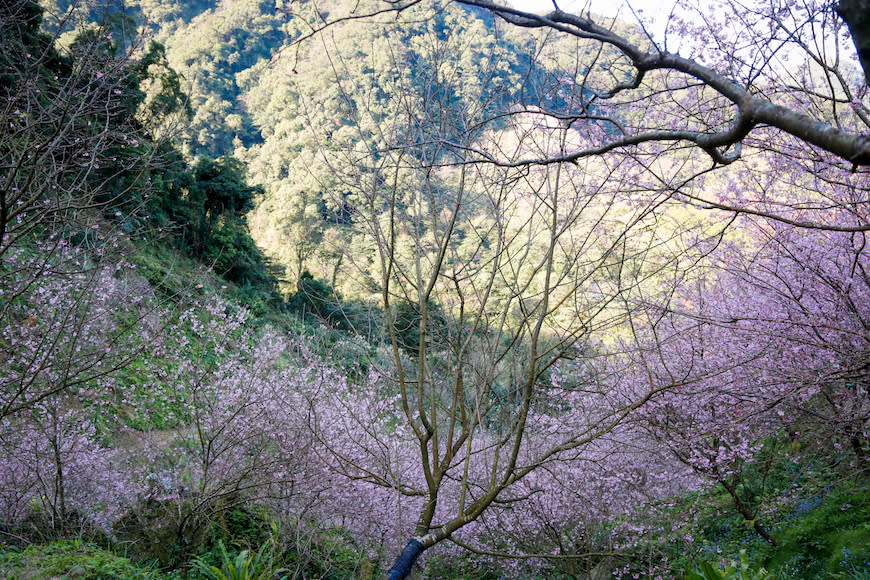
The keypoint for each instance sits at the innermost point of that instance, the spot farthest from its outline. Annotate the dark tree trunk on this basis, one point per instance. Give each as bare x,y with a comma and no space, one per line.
402,567
746,513
856,13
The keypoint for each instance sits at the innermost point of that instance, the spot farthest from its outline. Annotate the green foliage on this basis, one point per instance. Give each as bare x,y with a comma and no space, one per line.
216,232
221,185
820,521
407,319
317,302
167,270
740,570
466,567
240,526
151,532
201,211
161,13
224,39
26,36
170,532
329,554
164,96
826,534
246,565
139,180
72,559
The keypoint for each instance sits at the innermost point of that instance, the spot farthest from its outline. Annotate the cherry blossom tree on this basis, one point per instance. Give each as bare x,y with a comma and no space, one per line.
780,321
554,295
489,275
74,313
235,402
75,164
58,475
854,12
741,61
71,327
69,130
772,98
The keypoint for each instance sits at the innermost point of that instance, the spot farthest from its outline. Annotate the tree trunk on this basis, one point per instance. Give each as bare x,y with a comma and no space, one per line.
749,516
402,567
856,13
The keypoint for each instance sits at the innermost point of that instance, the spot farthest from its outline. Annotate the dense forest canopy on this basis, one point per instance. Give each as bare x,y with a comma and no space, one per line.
546,295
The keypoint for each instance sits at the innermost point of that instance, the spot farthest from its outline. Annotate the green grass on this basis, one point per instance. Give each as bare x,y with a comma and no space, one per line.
73,559
831,539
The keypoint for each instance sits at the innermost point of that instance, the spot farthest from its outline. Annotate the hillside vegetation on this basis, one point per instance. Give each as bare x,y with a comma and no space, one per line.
283,301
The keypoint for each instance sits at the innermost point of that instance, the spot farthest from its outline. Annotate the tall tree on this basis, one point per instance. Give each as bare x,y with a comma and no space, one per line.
496,273
537,281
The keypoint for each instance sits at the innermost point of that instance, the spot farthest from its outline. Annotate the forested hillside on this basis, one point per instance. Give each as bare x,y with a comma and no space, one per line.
435,290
